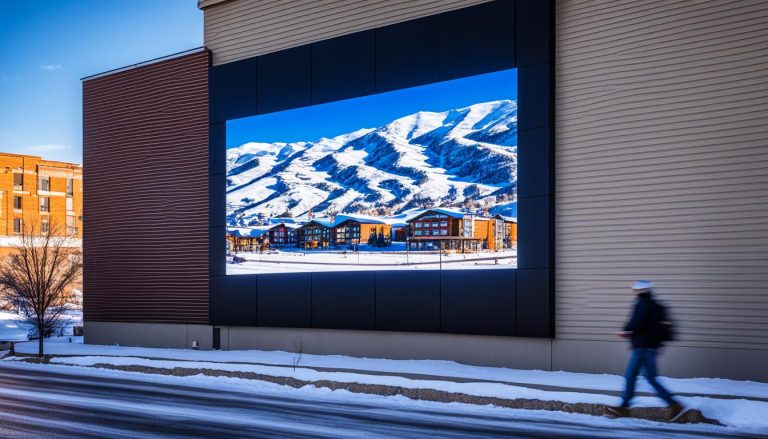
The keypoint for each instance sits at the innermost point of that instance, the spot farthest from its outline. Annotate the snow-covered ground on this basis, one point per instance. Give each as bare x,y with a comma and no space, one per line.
12,328
737,404
288,261
263,406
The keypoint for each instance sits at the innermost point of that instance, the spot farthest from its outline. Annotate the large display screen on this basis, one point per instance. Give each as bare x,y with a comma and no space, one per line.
419,178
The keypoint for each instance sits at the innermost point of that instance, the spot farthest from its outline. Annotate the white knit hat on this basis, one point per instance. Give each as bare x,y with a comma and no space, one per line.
642,285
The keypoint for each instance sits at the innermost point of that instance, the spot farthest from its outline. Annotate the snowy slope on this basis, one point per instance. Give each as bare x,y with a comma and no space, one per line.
425,159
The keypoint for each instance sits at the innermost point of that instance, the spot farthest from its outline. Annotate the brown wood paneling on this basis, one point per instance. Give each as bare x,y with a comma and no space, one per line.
145,151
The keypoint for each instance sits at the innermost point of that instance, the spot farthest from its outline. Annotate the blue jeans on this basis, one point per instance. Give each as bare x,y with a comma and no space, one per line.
643,359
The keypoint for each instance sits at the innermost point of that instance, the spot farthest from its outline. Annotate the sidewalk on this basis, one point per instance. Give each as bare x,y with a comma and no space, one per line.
739,404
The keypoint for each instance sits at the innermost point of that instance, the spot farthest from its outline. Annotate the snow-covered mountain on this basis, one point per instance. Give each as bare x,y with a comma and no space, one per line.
453,158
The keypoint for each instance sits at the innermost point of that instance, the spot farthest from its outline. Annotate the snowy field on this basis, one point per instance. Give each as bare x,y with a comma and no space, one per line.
741,405
291,261
12,328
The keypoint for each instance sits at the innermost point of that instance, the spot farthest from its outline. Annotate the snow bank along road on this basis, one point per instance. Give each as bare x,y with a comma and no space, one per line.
65,401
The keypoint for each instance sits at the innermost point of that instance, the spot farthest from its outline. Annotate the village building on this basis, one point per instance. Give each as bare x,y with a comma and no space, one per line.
509,232
283,234
448,229
317,233
357,229
247,239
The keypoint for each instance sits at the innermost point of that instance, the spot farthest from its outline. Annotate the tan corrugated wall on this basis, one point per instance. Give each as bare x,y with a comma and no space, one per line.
662,166
239,29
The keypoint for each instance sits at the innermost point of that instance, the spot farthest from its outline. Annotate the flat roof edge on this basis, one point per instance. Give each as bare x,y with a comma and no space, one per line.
144,63
202,4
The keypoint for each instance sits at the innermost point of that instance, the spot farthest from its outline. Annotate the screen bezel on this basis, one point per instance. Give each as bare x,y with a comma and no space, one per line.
509,302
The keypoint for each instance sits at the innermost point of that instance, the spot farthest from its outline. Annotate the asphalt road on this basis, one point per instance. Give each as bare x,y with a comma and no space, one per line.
37,403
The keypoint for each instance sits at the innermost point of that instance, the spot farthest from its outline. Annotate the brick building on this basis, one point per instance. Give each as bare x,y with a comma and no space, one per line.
39,195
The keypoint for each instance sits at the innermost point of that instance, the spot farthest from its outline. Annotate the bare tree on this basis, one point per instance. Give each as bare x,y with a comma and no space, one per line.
38,275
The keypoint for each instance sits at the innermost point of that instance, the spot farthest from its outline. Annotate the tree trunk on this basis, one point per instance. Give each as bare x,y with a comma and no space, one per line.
40,341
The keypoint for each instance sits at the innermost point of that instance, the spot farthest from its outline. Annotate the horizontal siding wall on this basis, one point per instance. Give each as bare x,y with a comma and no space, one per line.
662,166
145,150
239,29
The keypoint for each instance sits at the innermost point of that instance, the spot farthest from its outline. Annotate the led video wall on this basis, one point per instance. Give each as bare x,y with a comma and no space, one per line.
418,178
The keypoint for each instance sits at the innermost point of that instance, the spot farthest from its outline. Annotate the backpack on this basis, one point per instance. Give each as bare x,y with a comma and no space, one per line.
665,327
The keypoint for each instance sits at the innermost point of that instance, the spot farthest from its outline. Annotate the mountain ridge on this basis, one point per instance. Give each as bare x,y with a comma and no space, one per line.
465,157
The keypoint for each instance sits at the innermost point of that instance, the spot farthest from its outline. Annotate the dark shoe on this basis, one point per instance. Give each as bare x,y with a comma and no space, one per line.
675,411
617,412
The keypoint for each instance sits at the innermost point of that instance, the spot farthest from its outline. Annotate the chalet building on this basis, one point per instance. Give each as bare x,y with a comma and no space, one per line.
247,240
453,230
283,234
39,195
357,229
399,232
317,233
509,232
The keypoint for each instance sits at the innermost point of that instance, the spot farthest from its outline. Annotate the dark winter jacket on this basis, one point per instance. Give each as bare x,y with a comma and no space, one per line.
645,323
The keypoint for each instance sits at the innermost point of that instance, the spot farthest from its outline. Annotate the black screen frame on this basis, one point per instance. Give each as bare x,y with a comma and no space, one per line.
489,37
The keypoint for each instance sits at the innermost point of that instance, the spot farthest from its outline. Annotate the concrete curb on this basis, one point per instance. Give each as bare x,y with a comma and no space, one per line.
658,414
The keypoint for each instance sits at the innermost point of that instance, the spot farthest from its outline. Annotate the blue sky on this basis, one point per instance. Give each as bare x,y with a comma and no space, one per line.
332,119
46,46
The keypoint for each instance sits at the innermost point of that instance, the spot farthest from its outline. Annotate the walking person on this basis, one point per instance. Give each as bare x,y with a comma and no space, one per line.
648,328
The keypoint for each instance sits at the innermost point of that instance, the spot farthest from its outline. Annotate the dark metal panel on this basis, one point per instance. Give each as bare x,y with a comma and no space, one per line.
485,44
217,193
479,302
285,300
217,163
233,90
535,245
343,300
535,97
233,300
344,67
535,26
408,301
407,54
285,80
535,163
145,151
535,308
218,251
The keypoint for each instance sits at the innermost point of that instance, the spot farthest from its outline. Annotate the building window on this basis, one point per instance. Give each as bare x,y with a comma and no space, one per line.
18,182
45,226
45,204
70,187
45,184
17,202
70,205
71,229
17,226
